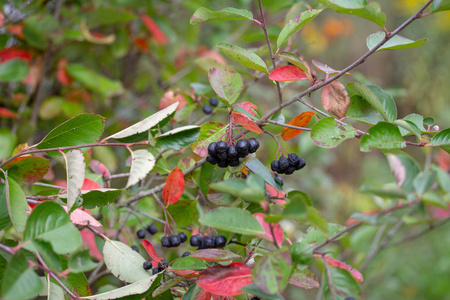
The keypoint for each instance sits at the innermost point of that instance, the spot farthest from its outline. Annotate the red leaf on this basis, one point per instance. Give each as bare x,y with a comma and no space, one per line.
444,160
287,73
214,255
2,19
301,120
12,53
225,281
341,265
174,186
88,238
186,273
276,228
273,192
16,30
62,75
150,250
245,122
90,185
248,106
141,44
335,99
28,170
159,36
6,113
99,168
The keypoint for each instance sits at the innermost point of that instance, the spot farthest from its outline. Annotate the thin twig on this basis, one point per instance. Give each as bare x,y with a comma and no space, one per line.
289,126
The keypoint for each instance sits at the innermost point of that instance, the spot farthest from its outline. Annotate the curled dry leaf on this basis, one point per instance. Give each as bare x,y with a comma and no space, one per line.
287,73
174,186
301,120
335,99
95,38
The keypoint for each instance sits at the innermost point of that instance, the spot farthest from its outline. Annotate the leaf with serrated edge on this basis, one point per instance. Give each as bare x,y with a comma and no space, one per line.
136,288
142,162
328,133
145,124
295,24
244,57
75,170
382,136
395,43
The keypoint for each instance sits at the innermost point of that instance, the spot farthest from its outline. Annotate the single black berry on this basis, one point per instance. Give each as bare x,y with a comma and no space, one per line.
212,160
155,271
222,163
182,236
174,241
195,240
301,163
256,298
242,146
135,248
233,162
208,242
232,152
147,265
212,149
207,109
279,180
152,229
222,156
140,233
219,241
221,147
186,254
274,166
283,164
165,242
289,170
293,159
253,145
163,264
213,101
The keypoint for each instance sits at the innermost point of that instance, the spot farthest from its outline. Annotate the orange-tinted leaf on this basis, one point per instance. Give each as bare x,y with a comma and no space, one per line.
99,168
174,186
88,238
159,36
90,185
246,122
12,53
16,30
335,99
287,73
341,265
141,44
6,113
150,250
169,98
276,228
62,75
301,120
225,281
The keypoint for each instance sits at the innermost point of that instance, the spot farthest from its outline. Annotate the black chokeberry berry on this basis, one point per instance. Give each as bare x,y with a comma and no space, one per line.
301,164
208,242
195,240
182,236
232,152
140,233
155,271
221,147
256,298
219,241
253,145
174,241
234,162
147,265
165,242
213,101
283,164
289,170
207,109
293,159
186,254
163,264
152,229
212,149
135,248
242,146
274,166
222,156
212,160
279,180
222,163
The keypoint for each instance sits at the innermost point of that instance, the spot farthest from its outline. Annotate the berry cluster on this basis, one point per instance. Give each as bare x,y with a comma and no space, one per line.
162,265
223,155
173,240
150,228
206,242
207,109
288,165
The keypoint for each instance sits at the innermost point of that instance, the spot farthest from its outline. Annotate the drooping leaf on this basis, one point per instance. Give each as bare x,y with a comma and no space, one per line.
81,262
174,186
27,170
257,167
332,262
382,136
13,70
142,162
232,219
146,124
371,11
80,130
296,61
75,172
227,84
304,279
326,69
225,281
301,120
50,223
440,5
227,14
287,73
251,189
335,99
178,138
271,273
215,255
395,43
327,133
273,231
137,290
17,204
124,262
209,132
246,122
150,250
442,139
244,57
295,24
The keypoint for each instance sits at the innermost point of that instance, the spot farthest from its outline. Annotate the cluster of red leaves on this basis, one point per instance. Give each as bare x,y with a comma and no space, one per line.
244,120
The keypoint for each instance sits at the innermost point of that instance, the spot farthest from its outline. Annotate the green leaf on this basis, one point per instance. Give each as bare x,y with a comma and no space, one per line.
49,222
251,189
254,290
227,84
77,283
342,281
384,191
75,172
80,130
442,139
8,141
107,16
293,59
442,177
146,124
208,174
95,81
227,14
232,219
297,206
5,221
142,162
271,273
184,211
81,262
124,262
315,218
166,286
301,253
427,121
244,57
20,281
257,167
423,181
395,43
215,255
135,289
209,132
382,136
440,5
327,133
362,111
371,11
27,170
17,204
51,289
178,138
55,262
295,24
189,263
39,28
314,236
99,197
13,70
304,279
407,128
